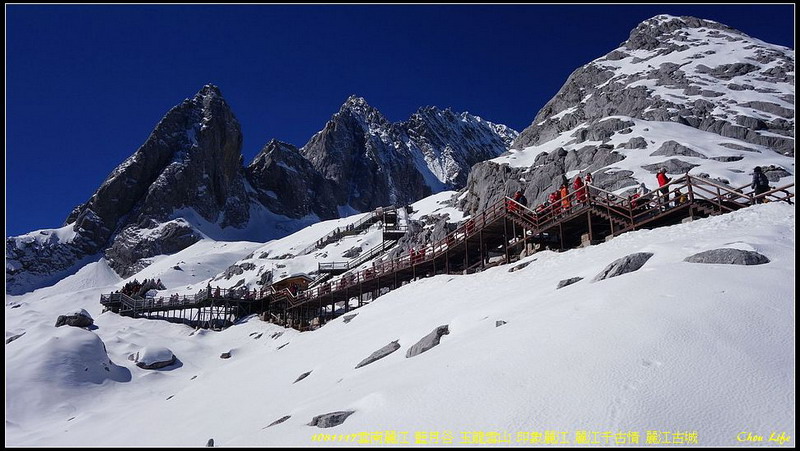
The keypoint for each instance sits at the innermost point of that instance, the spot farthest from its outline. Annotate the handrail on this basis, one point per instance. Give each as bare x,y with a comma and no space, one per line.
628,210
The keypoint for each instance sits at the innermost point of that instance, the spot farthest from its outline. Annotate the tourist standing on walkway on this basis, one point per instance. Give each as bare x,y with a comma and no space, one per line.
760,183
662,182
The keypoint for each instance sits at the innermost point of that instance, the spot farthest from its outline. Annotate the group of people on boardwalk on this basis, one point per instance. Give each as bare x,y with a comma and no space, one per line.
560,201
241,292
138,289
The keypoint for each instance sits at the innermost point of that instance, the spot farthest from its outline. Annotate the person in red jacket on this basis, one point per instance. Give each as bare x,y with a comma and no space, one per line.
580,190
555,201
662,182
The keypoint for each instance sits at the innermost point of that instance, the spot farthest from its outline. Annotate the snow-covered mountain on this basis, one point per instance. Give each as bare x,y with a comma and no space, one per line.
375,162
541,349
683,93
187,181
191,161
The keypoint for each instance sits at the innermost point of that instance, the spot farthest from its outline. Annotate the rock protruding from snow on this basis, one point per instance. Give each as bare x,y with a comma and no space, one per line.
329,420
279,420
79,318
429,341
673,148
728,256
301,377
14,337
348,318
624,265
154,357
380,353
570,281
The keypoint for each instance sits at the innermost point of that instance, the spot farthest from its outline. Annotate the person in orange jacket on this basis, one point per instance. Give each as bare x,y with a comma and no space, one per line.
565,202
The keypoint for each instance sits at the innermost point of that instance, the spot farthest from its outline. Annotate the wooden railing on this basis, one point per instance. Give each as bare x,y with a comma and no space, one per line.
626,211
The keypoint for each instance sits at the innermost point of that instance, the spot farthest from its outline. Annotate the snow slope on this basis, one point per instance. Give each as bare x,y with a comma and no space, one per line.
694,350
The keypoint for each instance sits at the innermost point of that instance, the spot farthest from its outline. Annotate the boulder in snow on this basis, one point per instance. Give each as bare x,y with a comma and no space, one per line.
428,341
728,257
380,353
79,318
570,281
301,377
329,420
278,421
624,265
154,357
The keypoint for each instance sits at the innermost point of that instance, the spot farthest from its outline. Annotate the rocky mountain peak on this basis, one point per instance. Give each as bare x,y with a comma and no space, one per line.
210,90
674,78
357,107
655,31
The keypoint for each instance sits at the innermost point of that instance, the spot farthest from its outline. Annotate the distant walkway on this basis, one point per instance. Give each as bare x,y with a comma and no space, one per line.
500,234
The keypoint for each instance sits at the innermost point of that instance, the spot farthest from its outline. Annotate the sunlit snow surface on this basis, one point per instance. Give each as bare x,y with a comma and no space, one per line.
675,346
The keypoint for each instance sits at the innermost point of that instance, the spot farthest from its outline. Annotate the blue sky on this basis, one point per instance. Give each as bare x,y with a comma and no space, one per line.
86,84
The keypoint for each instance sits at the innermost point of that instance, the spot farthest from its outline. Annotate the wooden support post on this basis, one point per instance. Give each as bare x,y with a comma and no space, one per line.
480,248
466,254
561,236
589,220
505,239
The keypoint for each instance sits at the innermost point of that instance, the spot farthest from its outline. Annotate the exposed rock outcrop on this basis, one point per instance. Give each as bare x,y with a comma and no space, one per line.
728,256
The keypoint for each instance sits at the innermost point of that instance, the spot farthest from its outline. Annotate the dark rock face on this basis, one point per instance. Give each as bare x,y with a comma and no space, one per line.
489,182
130,249
330,420
287,183
373,162
365,167
728,257
192,159
427,342
380,353
429,229
623,265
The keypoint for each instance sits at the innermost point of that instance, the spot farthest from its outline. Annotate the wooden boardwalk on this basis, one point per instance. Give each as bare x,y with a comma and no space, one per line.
500,233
